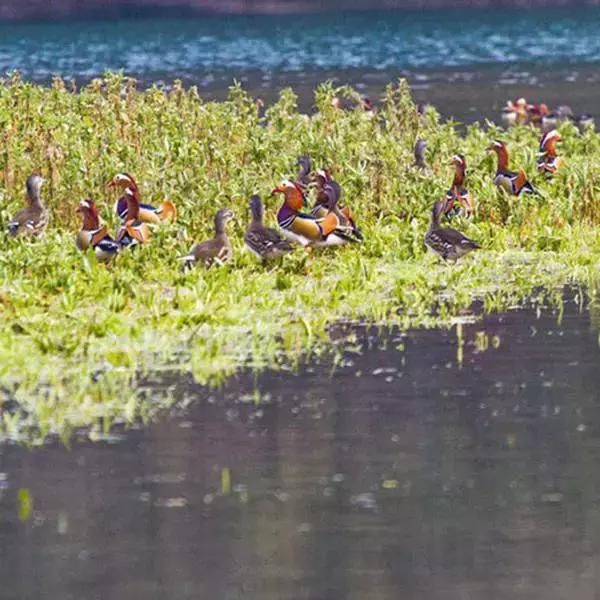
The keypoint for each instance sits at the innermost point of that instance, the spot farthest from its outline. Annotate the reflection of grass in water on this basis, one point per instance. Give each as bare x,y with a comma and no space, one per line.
76,337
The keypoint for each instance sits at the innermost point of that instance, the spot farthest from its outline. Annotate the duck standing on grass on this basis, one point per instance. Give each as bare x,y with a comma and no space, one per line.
458,199
148,213
420,149
264,242
445,242
548,162
514,183
305,229
303,179
133,231
95,234
214,251
33,219
326,187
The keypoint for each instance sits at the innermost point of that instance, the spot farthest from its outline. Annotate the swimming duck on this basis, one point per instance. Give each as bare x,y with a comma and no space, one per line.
133,231
558,115
95,234
458,199
33,219
326,188
306,229
445,242
511,182
264,242
216,250
420,149
515,113
548,162
537,112
148,213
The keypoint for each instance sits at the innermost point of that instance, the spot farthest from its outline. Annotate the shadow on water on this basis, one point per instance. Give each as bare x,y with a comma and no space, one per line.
436,464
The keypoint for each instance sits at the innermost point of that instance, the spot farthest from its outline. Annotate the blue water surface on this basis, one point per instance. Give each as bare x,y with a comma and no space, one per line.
278,44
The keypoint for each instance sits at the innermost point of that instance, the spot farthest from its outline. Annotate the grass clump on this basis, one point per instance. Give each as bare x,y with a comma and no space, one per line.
77,338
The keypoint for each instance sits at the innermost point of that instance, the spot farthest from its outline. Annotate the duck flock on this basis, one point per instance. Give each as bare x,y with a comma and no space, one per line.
326,223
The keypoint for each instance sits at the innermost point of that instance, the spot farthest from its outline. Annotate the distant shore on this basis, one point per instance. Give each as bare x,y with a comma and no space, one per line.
33,10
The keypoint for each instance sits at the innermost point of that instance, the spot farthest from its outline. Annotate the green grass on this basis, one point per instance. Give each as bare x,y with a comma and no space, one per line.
77,338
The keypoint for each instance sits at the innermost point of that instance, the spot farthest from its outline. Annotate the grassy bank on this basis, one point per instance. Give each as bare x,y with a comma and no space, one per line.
76,338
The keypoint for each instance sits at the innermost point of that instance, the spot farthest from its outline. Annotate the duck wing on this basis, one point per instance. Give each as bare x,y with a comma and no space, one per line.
266,242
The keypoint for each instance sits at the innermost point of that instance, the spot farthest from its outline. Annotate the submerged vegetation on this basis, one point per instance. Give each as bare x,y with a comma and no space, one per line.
80,341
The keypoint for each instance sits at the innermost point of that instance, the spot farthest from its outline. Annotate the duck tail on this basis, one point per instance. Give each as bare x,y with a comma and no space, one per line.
167,210
187,262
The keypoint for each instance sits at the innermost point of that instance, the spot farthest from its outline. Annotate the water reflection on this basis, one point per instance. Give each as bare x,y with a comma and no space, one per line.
410,472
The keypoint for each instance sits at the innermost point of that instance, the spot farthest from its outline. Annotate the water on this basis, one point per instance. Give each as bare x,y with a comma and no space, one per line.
459,59
428,476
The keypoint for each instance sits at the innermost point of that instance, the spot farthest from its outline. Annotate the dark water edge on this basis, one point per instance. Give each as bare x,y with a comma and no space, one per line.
468,95
434,464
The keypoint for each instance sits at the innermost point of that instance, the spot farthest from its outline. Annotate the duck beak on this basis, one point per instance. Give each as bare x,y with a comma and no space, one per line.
276,190
111,184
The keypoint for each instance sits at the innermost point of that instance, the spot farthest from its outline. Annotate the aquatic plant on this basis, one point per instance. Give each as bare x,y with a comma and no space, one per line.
83,343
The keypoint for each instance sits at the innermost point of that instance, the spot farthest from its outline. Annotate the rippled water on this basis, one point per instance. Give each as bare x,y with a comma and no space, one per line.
433,465
365,41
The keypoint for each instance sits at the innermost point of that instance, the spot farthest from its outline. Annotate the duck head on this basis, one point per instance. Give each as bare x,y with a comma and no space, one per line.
305,166
123,181
34,186
501,152
256,208
294,196
89,212
420,148
460,165
436,212
548,143
223,216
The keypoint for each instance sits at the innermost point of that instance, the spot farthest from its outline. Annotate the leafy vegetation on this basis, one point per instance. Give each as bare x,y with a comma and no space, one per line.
80,343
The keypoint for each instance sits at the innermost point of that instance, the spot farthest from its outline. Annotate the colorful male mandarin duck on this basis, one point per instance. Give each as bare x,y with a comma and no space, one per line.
537,112
216,250
264,242
515,113
306,229
548,162
148,213
94,234
33,219
445,242
511,182
326,187
133,231
458,199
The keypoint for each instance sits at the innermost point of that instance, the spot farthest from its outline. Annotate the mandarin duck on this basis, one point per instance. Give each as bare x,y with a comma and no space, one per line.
94,234
445,242
514,183
148,213
420,149
515,113
558,115
264,242
537,112
216,250
306,229
133,230
304,179
33,219
326,187
458,199
548,162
